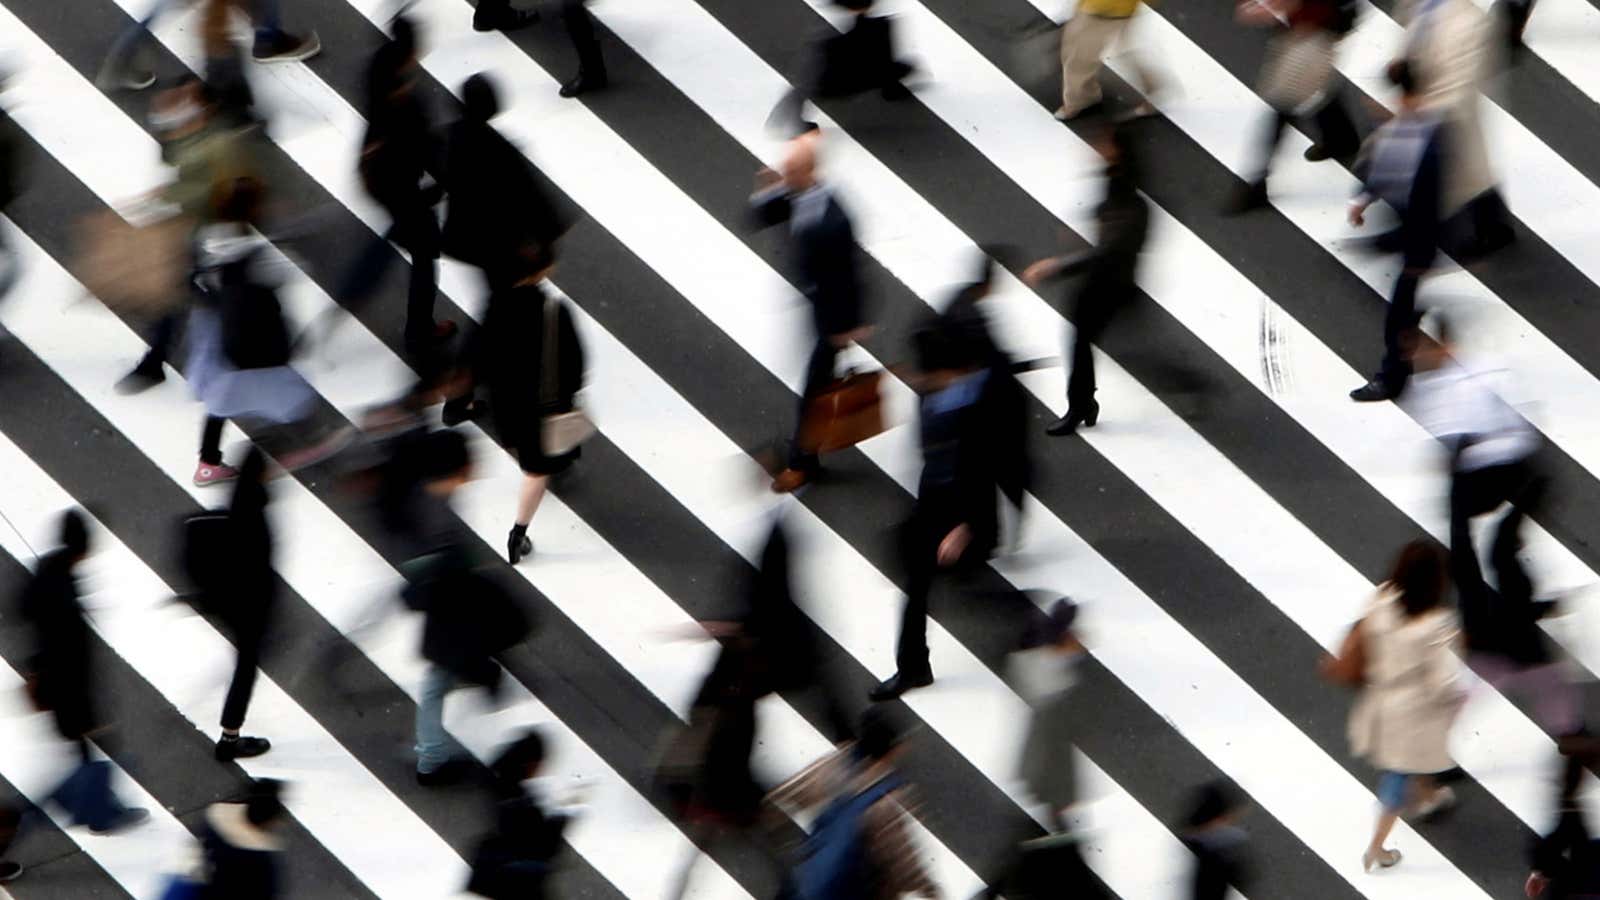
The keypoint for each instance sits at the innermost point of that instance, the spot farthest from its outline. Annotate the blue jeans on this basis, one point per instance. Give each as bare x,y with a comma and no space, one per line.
435,746
126,46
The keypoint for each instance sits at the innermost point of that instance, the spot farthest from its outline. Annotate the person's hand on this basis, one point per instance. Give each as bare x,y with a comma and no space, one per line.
954,544
1358,209
1536,884
1036,273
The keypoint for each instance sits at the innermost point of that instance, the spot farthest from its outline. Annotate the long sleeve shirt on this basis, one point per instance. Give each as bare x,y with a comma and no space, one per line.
1460,407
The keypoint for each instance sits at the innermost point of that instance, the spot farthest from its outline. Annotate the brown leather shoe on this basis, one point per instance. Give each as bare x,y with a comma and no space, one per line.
789,481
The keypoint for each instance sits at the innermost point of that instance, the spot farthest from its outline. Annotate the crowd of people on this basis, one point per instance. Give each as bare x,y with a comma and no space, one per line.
521,372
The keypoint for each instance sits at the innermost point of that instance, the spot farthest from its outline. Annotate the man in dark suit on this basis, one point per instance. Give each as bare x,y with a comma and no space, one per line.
854,61
823,246
499,15
1402,166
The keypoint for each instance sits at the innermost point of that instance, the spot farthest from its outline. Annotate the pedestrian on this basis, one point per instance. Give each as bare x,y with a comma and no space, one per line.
1297,80
1402,164
1213,835
955,524
499,15
860,844
1410,695
239,352
516,860
1565,861
823,253
244,601
123,68
62,677
1086,39
1110,267
241,845
206,153
854,60
10,821
398,152
13,181
528,355
1492,450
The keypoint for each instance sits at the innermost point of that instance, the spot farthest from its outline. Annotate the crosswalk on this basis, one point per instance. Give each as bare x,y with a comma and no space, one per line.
1221,526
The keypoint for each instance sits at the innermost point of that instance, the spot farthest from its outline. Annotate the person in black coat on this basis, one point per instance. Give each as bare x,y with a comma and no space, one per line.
247,607
1217,842
240,845
61,665
1565,861
1123,222
955,523
859,59
823,248
1402,165
516,859
398,151
13,179
499,15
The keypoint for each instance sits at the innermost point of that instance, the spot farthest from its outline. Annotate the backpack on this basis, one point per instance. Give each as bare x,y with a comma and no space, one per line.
254,334
205,550
836,865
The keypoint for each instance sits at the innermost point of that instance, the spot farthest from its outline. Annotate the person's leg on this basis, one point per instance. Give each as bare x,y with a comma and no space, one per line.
1253,195
1091,314
1392,788
819,374
580,28
118,69
272,43
528,499
1400,320
1337,136
920,549
434,746
243,685
417,230
211,441
1083,43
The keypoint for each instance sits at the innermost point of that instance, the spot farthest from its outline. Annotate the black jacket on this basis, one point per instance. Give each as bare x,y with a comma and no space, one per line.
963,454
470,618
12,176
61,660
856,60
514,861
241,861
400,145
1013,468
509,357
823,253
498,200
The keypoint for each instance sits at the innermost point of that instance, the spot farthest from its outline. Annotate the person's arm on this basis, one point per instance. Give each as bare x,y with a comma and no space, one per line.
769,204
1057,267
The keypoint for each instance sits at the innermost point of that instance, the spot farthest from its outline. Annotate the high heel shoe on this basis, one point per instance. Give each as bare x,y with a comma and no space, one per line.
1076,416
1383,859
518,544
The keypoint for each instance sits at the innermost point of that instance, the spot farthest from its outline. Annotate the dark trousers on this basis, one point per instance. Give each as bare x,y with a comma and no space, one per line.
1402,317
248,641
1336,132
162,335
580,28
417,230
1092,312
919,552
1474,493
819,374
211,441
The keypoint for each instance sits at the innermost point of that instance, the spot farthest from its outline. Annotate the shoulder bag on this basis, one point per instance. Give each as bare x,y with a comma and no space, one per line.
559,433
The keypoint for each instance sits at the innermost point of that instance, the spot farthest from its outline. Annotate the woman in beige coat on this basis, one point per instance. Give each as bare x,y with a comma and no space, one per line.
1400,723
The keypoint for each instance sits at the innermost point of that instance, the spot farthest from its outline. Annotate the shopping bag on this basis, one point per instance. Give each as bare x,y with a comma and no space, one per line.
846,413
135,269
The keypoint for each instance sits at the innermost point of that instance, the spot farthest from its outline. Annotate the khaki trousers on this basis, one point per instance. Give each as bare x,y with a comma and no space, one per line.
1084,42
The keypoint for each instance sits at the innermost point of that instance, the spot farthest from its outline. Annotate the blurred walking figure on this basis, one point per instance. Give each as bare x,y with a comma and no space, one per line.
241,845
1110,267
1402,651
1403,165
397,153
843,64
1450,53
1297,79
516,860
124,69
955,524
10,821
239,350
1086,40
860,845
1565,861
62,677
242,594
499,15
823,253
13,181
1218,843
1492,449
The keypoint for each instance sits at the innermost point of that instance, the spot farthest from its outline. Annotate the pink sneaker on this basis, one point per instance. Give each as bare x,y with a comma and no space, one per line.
206,474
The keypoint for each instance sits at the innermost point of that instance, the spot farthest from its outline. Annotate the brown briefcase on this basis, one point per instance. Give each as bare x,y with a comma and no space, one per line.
848,412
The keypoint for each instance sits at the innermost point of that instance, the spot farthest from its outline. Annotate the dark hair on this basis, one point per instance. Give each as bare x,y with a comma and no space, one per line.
74,532
877,734
264,803
1420,573
1401,76
479,99
1213,801
1123,173
513,763
403,34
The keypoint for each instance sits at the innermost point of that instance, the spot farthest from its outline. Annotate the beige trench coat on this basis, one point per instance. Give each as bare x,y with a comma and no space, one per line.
1453,57
1401,720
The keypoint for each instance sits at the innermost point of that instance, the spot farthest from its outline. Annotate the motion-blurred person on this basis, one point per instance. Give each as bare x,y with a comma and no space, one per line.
243,598
1123,222
1086,39
206,153
1565,861
13,181
62,674
397,153
1213,835
1449,50
955,524
241,845
239,350
1297,79
1410,695
1403,165
10,821
823,252
499,15
1512,16
1492,449
516,860
859,59
124,70
862,837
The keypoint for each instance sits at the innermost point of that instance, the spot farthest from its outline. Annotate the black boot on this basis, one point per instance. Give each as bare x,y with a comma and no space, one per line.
231,747
518,544
1084,415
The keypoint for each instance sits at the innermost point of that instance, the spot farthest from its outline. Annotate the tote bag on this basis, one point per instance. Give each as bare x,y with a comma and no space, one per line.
559,433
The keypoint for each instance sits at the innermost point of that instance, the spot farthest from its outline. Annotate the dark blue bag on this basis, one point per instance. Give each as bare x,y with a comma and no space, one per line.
836,865
86,796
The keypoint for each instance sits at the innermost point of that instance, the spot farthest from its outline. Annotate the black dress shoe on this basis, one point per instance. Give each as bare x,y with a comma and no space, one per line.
1373,391
140,380
454,771
584,82
236,747
518,544
506,20
1084,416
898,684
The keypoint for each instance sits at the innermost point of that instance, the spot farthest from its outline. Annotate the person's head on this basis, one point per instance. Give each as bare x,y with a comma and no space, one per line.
878,738
799,166
479,99
403,34
1055,628
1404,78
943,354
263,806
521,760
239,201
446,461
1420,575
74,533
1215,804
